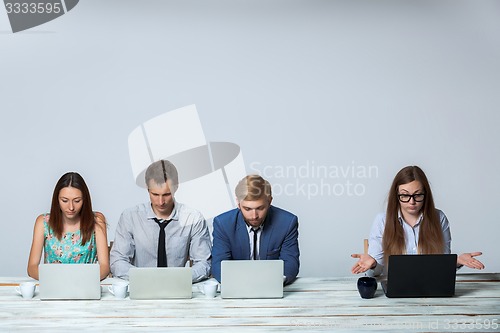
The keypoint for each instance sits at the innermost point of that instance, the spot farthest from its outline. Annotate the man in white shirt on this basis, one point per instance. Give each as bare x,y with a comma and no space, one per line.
141,242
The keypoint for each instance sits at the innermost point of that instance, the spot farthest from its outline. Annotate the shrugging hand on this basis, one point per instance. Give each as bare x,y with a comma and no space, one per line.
467,259
364,263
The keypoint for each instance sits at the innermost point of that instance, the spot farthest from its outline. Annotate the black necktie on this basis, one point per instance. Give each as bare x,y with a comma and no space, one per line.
255,230
162,251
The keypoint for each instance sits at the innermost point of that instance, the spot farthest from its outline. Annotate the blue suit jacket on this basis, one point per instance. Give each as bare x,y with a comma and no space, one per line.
278,240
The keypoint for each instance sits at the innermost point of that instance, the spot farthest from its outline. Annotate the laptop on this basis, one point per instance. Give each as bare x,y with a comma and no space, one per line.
160,282
251,279
69,281
424,275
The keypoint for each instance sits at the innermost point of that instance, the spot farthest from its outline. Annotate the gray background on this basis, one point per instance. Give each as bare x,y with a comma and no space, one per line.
294,83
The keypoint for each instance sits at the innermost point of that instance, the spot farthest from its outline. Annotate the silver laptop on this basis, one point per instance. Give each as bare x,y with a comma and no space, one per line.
160,282
69,281
251,279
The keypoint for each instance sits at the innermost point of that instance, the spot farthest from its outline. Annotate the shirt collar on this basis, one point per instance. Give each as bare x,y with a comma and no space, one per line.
260,227
249,227
174,216
402,220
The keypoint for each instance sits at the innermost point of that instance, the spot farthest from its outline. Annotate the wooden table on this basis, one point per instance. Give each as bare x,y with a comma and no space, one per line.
309,304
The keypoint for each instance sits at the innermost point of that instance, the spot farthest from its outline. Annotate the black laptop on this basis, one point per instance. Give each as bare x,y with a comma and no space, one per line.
423,275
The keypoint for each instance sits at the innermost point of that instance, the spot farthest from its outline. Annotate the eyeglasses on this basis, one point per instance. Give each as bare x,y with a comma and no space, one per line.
419,197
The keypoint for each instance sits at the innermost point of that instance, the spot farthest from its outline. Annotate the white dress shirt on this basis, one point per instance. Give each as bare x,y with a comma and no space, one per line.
136,241
250,236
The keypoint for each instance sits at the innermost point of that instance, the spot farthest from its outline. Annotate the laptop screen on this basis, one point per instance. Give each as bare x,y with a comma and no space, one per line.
69,281
424,275
252,278
160,282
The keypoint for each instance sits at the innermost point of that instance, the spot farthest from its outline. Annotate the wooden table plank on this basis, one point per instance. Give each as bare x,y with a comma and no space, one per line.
310,304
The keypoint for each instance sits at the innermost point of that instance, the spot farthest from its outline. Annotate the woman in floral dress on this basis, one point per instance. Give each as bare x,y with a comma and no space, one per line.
72,233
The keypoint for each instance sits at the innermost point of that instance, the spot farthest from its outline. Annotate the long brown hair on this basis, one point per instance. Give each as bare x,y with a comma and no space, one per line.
430,238
87,219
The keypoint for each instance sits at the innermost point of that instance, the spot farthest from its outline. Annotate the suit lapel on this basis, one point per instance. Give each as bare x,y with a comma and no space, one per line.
265,236
242,235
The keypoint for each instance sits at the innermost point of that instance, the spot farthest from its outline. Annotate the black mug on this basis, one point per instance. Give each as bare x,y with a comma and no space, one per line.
367,286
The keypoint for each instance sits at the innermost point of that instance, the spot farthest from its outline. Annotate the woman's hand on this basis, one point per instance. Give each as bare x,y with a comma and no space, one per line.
467,259
364,263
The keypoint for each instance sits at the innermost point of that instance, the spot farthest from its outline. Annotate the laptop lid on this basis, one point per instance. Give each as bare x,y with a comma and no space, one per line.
69,281
251,279
425,275
160,282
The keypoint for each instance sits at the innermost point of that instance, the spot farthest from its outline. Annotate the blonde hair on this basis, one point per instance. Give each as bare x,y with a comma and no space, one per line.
252,187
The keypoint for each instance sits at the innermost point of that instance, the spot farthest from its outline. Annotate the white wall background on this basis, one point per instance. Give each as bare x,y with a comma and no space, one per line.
332,84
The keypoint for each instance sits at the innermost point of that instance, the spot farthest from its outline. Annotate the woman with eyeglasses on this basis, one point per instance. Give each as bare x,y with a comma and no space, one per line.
411,225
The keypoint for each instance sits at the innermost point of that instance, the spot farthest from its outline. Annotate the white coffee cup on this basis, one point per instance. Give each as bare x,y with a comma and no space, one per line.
26,289
118,289
209,289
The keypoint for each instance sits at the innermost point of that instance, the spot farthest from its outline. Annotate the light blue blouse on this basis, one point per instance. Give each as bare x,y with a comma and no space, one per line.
411,237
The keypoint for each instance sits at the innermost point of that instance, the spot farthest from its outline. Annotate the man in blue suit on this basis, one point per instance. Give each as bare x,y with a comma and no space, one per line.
256,230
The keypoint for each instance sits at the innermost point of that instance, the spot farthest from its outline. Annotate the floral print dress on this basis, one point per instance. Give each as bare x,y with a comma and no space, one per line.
67,250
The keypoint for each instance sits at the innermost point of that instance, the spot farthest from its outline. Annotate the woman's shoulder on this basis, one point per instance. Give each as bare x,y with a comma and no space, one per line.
99,218
380,217
379,221
42,219
42,223
442,216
